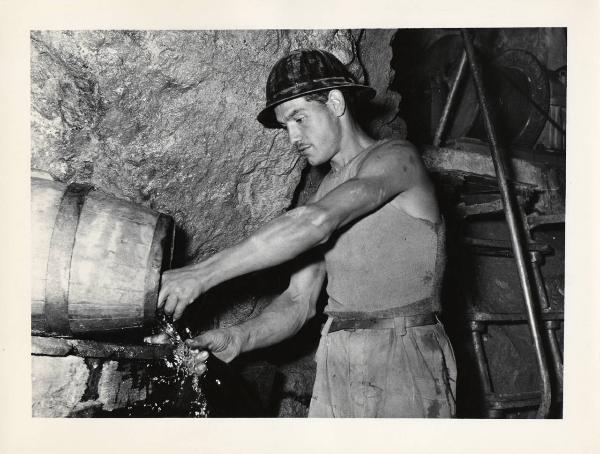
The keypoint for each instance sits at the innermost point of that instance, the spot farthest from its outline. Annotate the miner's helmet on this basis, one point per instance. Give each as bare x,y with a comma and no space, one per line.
306,71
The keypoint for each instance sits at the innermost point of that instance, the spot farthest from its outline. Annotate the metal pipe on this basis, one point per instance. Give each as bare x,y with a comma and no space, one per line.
484,375
510,212
536,259
551,326
477,329
437,140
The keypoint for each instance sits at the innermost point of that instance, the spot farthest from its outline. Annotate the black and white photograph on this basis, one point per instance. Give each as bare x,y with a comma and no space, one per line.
250,224
324,200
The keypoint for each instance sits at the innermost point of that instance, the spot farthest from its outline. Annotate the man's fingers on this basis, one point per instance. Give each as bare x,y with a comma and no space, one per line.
197,361
200,356
165,288
171,304
200,368
219,342
179,310
162,296
178,290
203,341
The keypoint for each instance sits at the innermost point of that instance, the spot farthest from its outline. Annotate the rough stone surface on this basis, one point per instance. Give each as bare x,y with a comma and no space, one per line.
76,386
119,385
296,389
54,346
167,119
58,384
375,53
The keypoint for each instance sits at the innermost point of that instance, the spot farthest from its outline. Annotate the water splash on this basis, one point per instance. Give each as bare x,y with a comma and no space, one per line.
175,389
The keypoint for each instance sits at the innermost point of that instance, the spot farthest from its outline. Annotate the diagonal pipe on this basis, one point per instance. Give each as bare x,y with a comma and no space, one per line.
462,67
511,217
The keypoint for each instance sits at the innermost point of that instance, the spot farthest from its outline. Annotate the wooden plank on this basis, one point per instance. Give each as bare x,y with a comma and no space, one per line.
45,201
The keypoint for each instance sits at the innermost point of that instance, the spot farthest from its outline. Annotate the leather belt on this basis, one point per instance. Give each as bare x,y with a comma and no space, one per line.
382,323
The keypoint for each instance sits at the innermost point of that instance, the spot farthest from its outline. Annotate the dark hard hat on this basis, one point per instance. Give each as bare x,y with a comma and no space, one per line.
302,72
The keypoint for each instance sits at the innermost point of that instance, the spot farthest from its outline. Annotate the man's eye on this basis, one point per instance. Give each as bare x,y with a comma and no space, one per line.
299,119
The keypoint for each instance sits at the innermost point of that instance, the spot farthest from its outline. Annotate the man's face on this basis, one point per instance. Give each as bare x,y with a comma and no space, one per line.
312,127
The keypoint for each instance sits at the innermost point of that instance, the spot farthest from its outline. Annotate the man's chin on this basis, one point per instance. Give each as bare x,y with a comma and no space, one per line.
313,161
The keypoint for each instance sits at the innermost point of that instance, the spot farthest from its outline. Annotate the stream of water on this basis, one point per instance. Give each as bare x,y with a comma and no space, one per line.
175,391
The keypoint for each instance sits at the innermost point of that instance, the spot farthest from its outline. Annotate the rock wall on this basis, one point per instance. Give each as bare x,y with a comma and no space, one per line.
167,119
375,53
91,378
72,378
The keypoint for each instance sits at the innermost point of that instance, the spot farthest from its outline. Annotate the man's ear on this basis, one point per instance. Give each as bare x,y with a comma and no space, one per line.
336,102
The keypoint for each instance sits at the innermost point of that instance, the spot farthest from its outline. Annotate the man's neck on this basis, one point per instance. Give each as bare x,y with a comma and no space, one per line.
354,141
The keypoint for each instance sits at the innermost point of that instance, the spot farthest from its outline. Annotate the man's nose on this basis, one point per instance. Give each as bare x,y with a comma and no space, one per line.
294,135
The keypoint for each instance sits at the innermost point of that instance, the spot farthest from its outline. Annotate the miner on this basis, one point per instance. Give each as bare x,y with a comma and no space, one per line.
373,228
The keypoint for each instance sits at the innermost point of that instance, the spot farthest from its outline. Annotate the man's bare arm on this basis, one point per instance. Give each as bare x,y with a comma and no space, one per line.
287,313
385,173
281,319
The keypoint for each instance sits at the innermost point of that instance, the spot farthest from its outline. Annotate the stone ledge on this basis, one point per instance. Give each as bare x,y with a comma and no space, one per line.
56,346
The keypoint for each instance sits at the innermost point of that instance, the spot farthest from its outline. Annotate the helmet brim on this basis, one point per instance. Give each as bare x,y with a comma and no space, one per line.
267,116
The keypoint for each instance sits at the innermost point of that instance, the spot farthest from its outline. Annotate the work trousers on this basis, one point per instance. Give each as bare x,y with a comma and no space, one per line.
394,372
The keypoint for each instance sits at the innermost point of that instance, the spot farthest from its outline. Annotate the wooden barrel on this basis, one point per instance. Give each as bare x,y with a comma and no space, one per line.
96,260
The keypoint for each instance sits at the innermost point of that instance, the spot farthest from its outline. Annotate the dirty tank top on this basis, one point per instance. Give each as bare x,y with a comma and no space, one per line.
386,259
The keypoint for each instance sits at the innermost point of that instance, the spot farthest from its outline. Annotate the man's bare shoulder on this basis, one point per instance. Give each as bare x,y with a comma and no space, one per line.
394,147
403,161
396,156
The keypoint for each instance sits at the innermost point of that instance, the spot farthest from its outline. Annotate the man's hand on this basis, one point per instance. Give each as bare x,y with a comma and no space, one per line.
179,288
224,343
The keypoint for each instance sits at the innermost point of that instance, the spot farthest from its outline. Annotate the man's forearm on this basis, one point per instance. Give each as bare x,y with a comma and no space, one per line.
278,241
279,321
